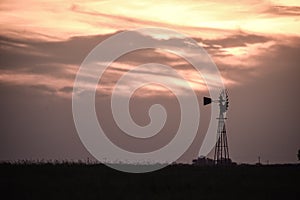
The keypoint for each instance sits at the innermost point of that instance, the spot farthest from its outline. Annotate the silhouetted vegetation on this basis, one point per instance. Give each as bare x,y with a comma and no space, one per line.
66,180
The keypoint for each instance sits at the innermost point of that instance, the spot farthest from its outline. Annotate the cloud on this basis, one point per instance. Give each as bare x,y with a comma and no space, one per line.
237,40
66,89
52,65
39,20
55,63
284,10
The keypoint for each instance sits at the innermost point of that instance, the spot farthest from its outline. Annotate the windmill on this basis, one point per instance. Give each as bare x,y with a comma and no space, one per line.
221,149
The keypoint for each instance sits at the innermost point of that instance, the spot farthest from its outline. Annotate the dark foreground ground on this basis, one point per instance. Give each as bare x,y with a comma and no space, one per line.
78,181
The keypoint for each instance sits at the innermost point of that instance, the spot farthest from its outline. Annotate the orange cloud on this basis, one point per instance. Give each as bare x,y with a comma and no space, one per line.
61,19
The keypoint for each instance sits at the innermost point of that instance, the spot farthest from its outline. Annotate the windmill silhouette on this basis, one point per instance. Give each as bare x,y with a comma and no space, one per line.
221,149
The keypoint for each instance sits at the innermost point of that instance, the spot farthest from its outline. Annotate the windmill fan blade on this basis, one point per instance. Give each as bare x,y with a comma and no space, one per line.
206,100
226,91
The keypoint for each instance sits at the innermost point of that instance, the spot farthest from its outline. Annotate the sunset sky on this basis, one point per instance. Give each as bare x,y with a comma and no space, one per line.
255,44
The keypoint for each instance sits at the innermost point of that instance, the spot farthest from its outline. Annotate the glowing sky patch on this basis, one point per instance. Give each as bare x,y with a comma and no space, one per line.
63,19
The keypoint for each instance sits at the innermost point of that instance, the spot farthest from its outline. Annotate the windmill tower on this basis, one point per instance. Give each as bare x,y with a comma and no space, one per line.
221,149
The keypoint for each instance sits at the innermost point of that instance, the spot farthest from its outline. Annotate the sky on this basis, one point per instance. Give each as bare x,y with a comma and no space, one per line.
255,45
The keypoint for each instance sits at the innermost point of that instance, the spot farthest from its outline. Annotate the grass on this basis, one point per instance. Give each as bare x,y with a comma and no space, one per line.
80,181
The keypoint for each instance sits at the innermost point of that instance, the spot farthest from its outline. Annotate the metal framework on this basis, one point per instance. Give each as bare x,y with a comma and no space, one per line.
221,149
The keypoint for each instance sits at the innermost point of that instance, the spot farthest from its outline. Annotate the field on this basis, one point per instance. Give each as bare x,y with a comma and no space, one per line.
80,181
